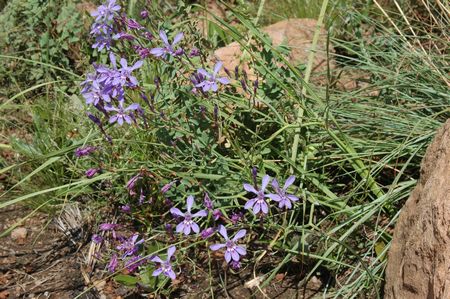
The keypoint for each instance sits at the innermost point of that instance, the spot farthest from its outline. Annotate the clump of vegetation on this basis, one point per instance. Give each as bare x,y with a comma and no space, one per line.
271,169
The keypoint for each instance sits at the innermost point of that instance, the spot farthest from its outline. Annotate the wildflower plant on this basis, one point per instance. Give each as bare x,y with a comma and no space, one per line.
178,123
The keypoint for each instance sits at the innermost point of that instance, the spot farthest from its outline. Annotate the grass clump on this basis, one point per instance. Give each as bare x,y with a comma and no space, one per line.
169,131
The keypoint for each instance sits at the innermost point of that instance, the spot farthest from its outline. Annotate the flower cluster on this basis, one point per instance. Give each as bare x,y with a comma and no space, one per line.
106,87
259,204
102,29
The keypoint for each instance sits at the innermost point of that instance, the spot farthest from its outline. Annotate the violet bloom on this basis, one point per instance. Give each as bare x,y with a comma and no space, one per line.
91,172
113,263
129,246
233,251
132,183
108,226
194,52
258,203
97,239
235,265
125,208
282,197
123,75
217,214
188,223
134,262
167,187
168,48
122,114
165,267
236,217
210,81
144,14
207,202
106,11
84,151
208,232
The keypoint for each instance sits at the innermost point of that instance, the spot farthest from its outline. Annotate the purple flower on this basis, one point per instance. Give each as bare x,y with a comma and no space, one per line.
84,151
207,202
217,214
233,251
134,262
165,267
124,36
121,114
106,11
167,187
133,24
125,208
129,246
208,232
144,14
108,226
91,172
188,223
236,217
132,183
258,203
282,197
235,265
97,239
102,28
210,81
113,263
194,52
168,48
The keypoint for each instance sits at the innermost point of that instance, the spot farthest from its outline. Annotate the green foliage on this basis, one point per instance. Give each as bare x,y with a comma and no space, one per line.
356,159
51,32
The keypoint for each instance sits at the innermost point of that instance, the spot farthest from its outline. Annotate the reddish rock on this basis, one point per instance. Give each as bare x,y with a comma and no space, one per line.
297,34
419,257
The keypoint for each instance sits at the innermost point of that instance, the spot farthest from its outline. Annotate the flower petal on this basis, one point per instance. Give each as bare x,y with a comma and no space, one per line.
217,67
250,188
256,208
265,182
240,234
157,272
275,184
170,252
249,204
274,197
223,80
190,202
158,52
163,36
195,227
176,211
187,229
180,227
289,182
215,247
293,197
235,255
171,274
223,232
177,38
156,259
264,208
241,250
227,256
201,213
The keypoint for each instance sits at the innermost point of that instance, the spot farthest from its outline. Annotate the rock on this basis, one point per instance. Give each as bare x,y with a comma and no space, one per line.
19,234
419,257
297,34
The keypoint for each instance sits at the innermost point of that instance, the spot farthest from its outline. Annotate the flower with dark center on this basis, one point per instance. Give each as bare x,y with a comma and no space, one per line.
188,222
232,251
258,204
282,197
165,267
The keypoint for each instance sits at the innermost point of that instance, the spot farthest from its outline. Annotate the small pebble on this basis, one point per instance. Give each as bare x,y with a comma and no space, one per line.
19,233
